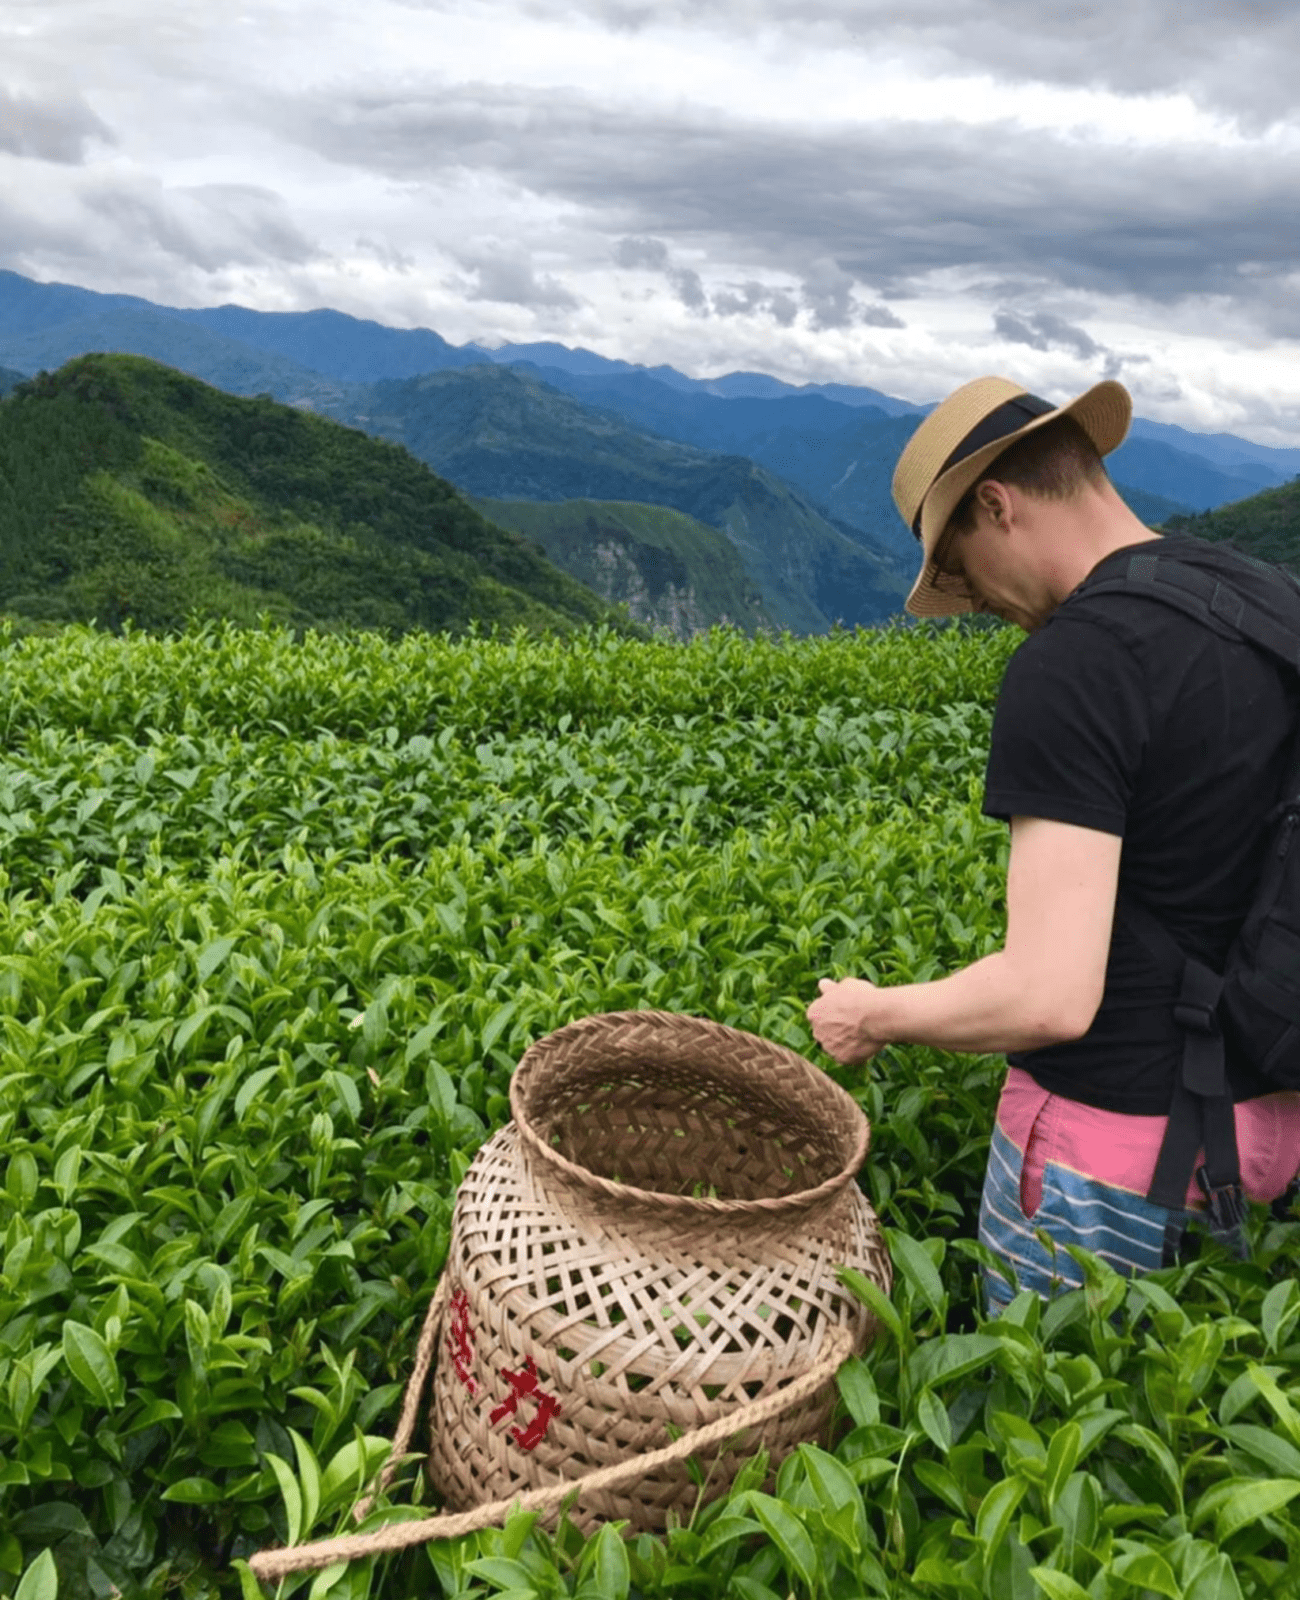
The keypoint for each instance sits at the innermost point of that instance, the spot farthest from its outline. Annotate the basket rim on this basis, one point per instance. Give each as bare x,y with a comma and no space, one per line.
685,1205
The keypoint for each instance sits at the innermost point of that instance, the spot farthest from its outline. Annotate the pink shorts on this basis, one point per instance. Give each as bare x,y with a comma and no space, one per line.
1065,1174
1120,1150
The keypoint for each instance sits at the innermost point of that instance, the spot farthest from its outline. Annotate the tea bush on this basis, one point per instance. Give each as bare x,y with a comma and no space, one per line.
278,918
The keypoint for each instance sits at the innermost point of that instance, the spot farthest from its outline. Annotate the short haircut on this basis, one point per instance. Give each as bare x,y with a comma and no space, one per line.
1054,462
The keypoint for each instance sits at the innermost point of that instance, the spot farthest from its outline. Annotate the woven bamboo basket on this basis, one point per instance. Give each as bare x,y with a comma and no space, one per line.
642,1270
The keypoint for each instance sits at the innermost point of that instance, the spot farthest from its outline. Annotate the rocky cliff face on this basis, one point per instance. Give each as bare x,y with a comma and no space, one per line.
671,572
620,572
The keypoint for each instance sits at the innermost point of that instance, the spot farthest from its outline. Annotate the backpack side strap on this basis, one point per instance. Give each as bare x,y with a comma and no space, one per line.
1201,1113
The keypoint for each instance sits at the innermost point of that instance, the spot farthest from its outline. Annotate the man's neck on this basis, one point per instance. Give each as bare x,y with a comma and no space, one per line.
1090,528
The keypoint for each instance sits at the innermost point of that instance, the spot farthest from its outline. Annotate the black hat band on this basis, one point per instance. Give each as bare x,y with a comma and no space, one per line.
1010,417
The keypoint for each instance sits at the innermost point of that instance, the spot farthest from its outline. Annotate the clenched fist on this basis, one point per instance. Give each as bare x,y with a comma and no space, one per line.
841,1019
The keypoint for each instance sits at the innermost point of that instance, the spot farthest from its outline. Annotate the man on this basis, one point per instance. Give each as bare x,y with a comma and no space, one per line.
1135,754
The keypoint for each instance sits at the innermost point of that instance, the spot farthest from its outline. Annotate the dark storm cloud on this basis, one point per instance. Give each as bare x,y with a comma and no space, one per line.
1042,330
49,130
509,279
827,293
1239,57
883,203
746,299
651,255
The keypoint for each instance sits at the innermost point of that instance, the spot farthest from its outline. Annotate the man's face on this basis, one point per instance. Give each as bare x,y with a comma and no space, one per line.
988,555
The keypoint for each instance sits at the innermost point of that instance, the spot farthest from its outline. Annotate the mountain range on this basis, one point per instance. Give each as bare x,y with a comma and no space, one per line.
501,433
796,478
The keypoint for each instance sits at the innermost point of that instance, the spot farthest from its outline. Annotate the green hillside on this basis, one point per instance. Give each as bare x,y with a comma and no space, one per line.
1266,525
505,435
9,379
131,492
668,569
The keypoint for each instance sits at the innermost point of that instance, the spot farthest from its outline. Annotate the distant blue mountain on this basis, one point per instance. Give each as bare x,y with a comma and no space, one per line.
336,345
1225,449
1190,479
228,364
835,443
758,386
27,306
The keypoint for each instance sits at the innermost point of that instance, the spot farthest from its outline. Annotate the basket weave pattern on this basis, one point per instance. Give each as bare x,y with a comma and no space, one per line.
650,1244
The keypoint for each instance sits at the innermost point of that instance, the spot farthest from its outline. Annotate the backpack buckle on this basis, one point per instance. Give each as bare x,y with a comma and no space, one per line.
1226,1208
1197,1018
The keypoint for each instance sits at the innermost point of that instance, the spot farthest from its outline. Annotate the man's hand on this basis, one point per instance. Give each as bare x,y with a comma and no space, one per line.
1043,987
841,1019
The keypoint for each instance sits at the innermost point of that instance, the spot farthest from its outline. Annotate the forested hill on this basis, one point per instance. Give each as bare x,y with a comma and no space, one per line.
1266,525
130,491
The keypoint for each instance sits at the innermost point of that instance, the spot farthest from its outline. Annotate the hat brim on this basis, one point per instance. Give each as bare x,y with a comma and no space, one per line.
1103,412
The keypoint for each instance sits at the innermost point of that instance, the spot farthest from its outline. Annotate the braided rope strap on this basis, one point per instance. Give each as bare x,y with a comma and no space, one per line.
272,1565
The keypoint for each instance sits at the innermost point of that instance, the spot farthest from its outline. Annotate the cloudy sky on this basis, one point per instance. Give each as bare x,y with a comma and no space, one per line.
903,195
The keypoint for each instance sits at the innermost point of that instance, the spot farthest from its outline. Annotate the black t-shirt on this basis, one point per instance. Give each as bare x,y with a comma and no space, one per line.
1126,715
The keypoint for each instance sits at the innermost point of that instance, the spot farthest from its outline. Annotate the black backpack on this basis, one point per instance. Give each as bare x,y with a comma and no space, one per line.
1255,1001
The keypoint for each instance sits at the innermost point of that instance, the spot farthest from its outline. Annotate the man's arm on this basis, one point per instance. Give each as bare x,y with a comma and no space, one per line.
1042,987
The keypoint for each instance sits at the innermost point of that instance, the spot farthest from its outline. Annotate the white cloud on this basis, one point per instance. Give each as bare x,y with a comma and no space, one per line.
839,189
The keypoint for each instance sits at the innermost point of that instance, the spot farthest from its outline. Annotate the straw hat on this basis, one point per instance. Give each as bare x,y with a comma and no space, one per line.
953,448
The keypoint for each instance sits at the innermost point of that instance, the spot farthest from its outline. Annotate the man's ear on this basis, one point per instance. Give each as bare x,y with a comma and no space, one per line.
994,498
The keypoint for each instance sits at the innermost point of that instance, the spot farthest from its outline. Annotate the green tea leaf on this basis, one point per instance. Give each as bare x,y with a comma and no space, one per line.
956,1356
787,1533
346,1092
67,1172
874,1298
1238,1502
309,1480
934,1419
1062,1457
1266,1383
21,1179
1279,1312
40,1581
611,1571
914,1263
858,1390
1281,1458
441,1091
995,1513
91,1363
251,1087
290,1494
1215,1581
496,1025
211,957
1058,1585
194,1492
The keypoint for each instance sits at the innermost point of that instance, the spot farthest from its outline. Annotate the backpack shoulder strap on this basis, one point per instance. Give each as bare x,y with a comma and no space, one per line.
1210,598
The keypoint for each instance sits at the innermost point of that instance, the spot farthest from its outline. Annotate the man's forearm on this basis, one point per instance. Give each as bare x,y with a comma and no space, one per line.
990,1006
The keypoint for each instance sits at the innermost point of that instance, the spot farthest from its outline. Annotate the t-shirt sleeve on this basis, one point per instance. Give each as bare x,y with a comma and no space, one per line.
1070,729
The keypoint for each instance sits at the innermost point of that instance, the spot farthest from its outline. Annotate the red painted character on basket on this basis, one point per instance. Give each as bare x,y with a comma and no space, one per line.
524,1384
460,1341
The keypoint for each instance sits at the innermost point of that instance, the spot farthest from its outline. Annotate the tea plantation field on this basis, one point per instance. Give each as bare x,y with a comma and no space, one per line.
277,919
